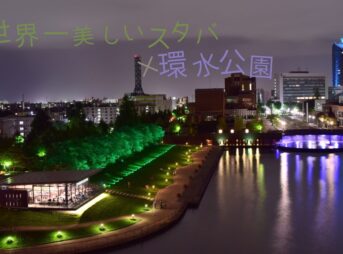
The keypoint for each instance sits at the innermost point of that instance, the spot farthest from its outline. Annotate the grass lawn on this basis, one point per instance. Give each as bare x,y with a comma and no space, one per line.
114,206
154,175
109,207
29,238
10,218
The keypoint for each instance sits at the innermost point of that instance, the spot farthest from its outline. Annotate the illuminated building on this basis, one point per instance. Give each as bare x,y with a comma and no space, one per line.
299,86
96,114
241,90
337,63
48,189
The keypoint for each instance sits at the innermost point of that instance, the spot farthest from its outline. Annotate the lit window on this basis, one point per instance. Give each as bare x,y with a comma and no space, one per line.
250,86
242,87
21,122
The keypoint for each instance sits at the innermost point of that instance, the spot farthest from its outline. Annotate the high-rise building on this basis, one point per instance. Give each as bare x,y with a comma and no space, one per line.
299,86
138,77
274,92
337,64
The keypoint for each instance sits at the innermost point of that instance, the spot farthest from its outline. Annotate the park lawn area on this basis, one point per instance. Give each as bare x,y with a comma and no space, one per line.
9,240
157,174
11,218
122,168
109,207
155,166
114,206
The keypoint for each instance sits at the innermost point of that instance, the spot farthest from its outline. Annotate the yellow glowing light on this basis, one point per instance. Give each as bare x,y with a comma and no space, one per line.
102,227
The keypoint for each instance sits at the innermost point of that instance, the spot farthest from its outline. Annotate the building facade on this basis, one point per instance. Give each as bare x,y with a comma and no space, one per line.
241,89
299,86
48,189
96,114
151,103
337,64
209,104
337,110
11,126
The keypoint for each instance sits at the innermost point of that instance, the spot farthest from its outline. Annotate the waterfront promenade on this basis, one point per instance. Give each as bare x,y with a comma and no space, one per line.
170,204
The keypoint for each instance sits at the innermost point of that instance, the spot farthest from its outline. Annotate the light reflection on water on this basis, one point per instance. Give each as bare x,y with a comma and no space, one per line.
262,202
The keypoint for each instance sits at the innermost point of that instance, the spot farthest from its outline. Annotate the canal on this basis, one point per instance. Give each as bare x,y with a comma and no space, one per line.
261,202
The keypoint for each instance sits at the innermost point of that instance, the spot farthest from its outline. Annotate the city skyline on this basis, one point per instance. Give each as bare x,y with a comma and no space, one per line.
54,70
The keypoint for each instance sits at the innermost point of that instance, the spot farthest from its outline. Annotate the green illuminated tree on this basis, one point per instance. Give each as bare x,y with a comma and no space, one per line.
98,151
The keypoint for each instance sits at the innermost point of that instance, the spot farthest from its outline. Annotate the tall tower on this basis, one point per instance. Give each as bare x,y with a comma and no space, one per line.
138,77
337,64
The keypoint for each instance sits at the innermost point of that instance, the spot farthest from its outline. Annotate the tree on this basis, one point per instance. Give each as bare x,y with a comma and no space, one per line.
255,125
270,105
128,115
316,93
238,123
41,128
221,123
273,119
277,105
103,127
260,109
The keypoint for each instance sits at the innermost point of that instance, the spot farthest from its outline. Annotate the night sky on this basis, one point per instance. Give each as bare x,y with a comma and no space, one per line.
297,33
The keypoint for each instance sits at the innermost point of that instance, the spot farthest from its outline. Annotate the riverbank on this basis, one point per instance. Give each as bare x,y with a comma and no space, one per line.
170,204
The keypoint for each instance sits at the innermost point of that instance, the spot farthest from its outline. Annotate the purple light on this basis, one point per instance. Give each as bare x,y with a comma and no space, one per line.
312,141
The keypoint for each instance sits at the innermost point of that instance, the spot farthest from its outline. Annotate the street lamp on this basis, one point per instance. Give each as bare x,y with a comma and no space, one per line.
246,131
232,131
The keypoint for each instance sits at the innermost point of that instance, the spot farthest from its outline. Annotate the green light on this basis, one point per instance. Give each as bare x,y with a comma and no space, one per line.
259,127
41,152
19,139
9,240
59,235
177,128
6,163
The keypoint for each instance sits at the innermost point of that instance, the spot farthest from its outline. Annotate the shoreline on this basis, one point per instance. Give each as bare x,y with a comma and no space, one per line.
187,190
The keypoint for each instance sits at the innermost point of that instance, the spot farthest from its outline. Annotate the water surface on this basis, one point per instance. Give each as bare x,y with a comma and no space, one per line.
261,202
